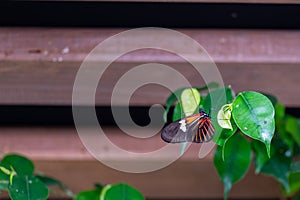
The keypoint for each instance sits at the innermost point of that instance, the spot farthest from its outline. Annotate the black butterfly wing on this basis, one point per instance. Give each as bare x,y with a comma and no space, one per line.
195,128
183,130
205,131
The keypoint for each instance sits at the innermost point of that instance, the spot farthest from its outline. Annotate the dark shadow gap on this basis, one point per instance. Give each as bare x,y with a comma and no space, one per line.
62,115
145,14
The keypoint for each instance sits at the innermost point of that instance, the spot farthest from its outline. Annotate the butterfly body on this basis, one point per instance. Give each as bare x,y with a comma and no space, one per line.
195,128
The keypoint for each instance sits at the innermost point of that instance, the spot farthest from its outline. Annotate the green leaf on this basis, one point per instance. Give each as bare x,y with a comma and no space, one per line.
295,167
216,99
224,116
170,101
294,184
190,100
50,181
88,195
120,192
293,127
280,123
20,164
254,113
278,166
175,96
27,187
4,178
4,181
5,171
237,154
212,104
177,114
261,156
226,134
279,111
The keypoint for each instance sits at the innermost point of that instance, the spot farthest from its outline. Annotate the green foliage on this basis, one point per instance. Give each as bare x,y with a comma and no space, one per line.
177,114
90,194
27,187
21,165
50,182
190,100
278,166
250,116
237,159
175,96
261,157
213,102
293,128
254,113
18,178
120,192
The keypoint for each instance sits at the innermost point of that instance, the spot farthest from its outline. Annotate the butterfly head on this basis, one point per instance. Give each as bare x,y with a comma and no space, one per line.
203,113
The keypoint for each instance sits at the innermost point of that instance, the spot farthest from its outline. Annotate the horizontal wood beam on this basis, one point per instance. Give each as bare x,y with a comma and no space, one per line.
39,65
224,46
42,84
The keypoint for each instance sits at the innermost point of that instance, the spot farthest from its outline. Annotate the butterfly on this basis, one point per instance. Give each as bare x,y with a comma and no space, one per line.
196,128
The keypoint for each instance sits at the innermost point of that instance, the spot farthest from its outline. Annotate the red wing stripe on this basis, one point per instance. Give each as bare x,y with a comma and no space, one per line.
204,135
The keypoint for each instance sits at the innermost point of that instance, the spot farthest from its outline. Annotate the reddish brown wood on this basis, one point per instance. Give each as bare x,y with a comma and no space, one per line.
39,65
31,83
70,44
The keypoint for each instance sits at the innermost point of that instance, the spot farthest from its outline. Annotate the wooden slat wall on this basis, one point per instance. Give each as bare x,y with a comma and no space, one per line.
38,66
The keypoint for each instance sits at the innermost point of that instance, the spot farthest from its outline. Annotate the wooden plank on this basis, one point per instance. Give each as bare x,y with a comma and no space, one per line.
224,46
58,152
29,84
38,66
51,143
